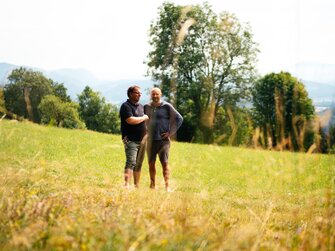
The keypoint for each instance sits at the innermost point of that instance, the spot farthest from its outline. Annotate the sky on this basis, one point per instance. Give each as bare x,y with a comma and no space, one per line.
110,38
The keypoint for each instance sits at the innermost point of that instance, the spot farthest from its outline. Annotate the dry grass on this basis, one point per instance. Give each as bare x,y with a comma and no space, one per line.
62,190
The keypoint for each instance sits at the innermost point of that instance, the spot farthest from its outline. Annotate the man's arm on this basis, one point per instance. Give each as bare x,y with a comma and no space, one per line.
175,120
136,120
127,115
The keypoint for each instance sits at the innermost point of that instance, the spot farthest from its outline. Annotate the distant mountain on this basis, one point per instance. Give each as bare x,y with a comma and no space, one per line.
319,80
5,70
321,94
78,77
75,80
314,72
116,91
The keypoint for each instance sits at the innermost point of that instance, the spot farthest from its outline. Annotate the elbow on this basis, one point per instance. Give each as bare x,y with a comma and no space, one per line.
130,121
181,120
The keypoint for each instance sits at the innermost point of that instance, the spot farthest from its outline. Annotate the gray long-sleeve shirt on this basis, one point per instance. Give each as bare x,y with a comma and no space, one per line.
163,118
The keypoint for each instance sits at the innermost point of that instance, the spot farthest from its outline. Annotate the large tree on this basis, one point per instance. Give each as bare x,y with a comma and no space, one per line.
24,91
283,111
204,61
26,88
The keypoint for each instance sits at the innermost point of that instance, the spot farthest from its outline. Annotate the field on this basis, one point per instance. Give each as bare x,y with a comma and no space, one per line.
62,190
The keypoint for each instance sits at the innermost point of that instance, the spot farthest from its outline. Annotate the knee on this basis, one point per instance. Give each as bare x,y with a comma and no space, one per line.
131,163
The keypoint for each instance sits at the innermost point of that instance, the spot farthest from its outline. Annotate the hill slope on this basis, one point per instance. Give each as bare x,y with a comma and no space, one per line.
62,189
319,80
75,81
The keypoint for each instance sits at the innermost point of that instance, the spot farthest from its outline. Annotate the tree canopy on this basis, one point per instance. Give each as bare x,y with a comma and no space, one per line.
31,95
283,111
97,113
56,112
203,61
25,90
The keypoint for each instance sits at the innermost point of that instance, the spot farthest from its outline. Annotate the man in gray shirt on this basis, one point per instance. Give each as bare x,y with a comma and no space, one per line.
164,121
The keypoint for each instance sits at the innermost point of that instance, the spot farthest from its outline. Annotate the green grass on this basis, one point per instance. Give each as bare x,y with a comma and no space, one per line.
62,190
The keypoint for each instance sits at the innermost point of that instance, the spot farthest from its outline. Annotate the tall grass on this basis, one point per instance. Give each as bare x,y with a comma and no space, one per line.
62,190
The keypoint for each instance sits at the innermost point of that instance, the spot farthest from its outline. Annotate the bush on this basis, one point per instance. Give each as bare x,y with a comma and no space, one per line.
55,112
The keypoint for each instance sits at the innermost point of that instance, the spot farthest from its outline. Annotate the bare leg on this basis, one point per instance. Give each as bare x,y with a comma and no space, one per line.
127,176
152,171
166,174
137,175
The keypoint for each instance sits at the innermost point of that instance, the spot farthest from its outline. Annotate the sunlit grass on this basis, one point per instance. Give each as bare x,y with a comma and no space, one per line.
62,189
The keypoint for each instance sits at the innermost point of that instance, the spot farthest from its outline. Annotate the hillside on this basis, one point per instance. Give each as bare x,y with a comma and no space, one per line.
319,80
62,189
314,72
5,70
75,81
321,94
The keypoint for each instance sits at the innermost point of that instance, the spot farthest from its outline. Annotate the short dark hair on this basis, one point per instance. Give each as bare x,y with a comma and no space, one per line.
131,89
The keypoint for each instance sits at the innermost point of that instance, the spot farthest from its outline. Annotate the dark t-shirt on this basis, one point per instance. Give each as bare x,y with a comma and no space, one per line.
133,132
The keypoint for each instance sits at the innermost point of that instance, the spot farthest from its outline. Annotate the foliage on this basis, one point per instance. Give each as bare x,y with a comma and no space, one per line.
283,111
108,118
97,114
62,114
2,102
60,91
233,126
204,59
324,140
63,191
25,90
332,139
327,131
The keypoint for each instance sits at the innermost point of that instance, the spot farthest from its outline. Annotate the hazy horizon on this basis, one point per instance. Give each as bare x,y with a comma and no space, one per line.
110,39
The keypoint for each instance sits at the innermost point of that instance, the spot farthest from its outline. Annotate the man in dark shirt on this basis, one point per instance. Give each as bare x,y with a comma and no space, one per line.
164,121
133,130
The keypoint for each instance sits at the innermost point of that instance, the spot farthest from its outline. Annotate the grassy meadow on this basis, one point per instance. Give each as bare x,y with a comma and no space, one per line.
62,190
